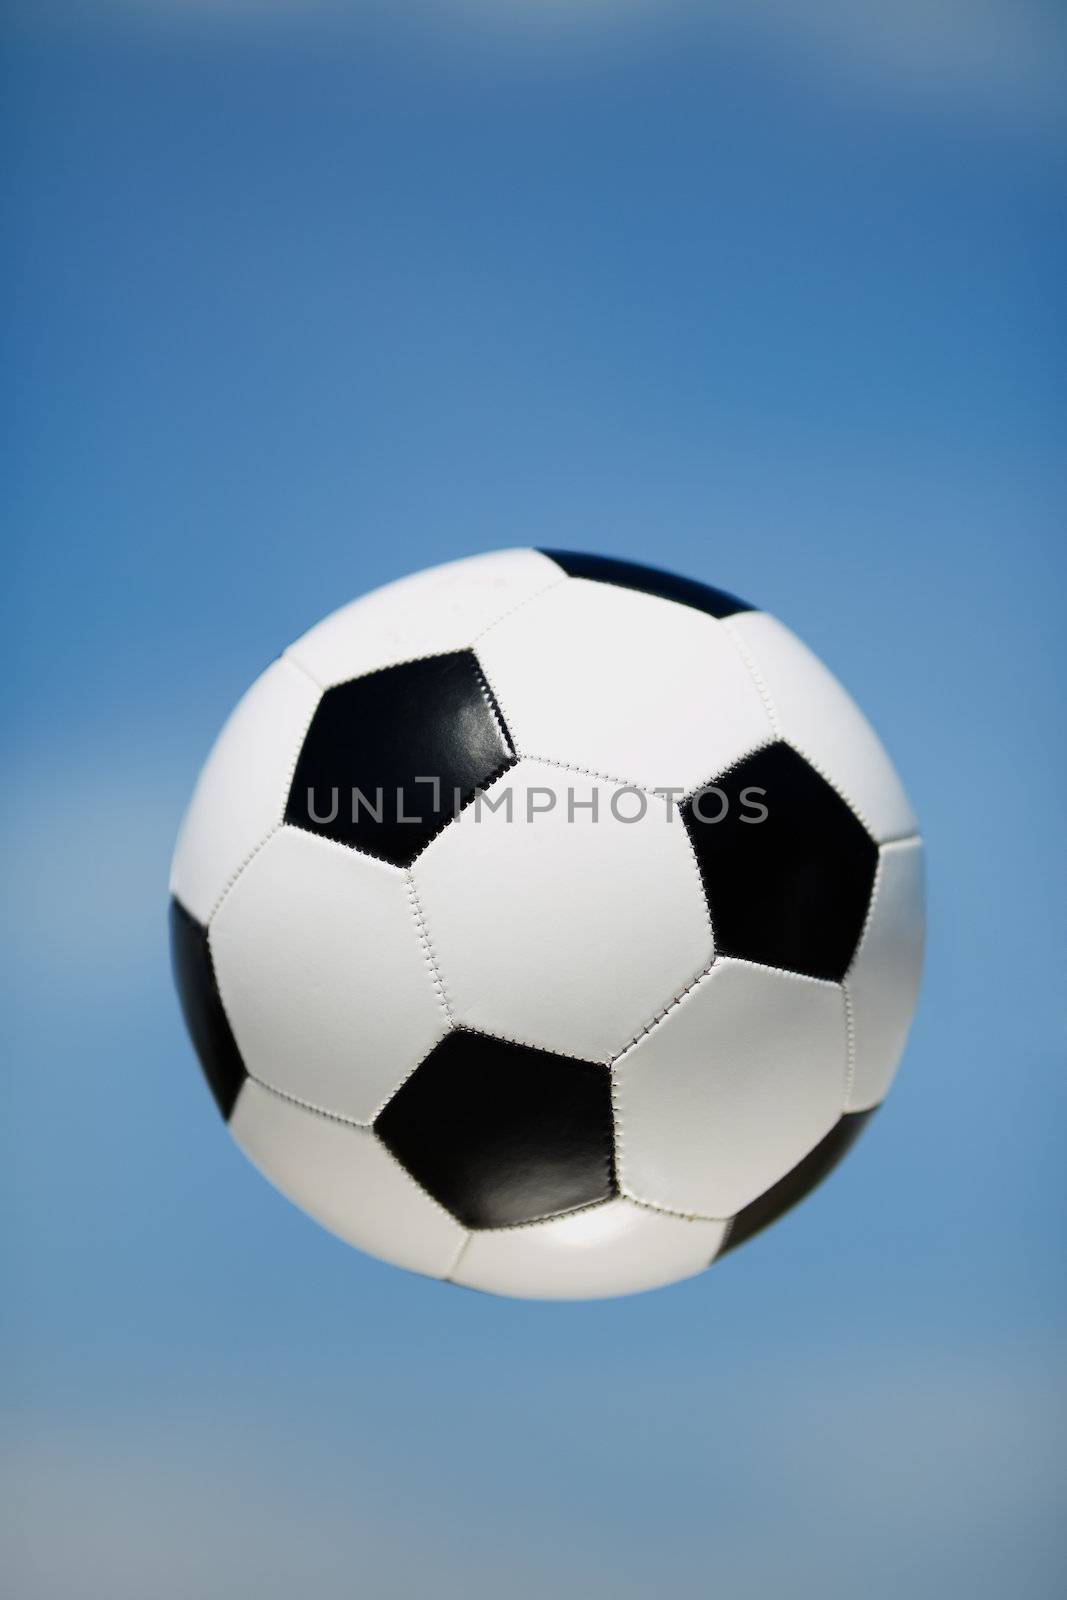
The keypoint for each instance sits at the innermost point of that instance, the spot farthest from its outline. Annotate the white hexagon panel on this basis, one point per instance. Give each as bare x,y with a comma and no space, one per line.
323,974
731,1089
814,714
562,913
613,1248
628,685
343,1177
429,613
243,786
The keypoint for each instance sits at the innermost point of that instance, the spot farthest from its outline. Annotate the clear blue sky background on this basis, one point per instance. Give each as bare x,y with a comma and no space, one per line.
301,298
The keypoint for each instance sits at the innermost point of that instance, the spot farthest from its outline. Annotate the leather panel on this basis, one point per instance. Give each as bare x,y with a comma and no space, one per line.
390,757
791,888
727,1093
502,1134
815,715
569,934
883,981
344,1178
797,1184
201,1005
240,793
624,685
611,1249
325,980
649,580
432,612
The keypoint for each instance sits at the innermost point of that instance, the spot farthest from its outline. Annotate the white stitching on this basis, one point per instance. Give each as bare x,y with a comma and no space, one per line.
850,1043
361,1127
510,612
493,706
276,826
512,738
602,777
669,1211
492,1032
310,1105
755,675
292,661
719,957
772,713
232,879
724,772
914,837
424,939
553,1216
483,788
850,1016
659,1016
460,1253
783,972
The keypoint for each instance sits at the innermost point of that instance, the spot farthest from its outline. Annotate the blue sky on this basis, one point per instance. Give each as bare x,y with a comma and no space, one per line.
302,298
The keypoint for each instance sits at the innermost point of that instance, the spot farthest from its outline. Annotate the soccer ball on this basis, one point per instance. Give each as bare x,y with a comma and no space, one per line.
547,923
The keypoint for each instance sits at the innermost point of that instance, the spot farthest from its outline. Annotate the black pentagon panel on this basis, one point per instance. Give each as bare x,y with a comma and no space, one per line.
798,1184
390,757
501,1133
194,976
789,888
649,580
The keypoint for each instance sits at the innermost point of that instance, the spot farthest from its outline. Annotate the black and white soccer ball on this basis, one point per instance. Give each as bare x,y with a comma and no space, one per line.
547,923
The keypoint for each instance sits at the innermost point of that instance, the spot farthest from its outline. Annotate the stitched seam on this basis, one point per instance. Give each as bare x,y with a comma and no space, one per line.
552,1216
395,1090
529,1044
659,1016
724,772
310,1105
618,1139
370,672
375,672
412,1179
510,612
670,600
669,1211
834,785
493,707
764,693
341,844
705,895
362,1127
427,947
439,827
915,837
292,661
603,777
496,700
232,879
276,826
850,1041
490,778
876,889
785,972
616,1104
460,1253
705,972
755,674
850,1014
